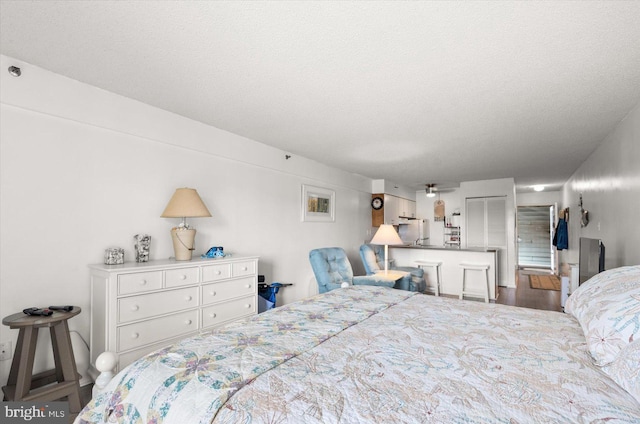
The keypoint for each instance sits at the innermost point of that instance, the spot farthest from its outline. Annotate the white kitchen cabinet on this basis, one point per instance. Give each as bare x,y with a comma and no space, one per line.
407,208
396,208
140,307
391,206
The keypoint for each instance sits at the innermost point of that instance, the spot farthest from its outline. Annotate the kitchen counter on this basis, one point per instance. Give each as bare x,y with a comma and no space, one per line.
436,247
451,272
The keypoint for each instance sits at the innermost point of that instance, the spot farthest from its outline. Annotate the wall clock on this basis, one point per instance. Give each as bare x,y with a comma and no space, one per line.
377,203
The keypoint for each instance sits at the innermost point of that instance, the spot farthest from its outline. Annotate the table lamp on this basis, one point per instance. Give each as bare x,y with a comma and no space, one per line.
185,203
386,235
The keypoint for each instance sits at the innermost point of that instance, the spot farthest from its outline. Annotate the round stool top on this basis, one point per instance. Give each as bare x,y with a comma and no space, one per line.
428,263
23,320
475,266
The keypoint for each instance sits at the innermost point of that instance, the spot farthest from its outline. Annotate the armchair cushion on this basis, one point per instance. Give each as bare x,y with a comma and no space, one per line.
331,268
372,280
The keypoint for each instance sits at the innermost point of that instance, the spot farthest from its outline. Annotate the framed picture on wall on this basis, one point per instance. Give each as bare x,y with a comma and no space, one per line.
318,204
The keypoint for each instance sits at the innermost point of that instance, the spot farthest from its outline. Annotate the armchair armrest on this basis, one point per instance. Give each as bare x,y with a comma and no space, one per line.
332,286
373,280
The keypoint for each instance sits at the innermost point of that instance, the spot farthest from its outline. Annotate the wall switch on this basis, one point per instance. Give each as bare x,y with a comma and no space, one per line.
5,351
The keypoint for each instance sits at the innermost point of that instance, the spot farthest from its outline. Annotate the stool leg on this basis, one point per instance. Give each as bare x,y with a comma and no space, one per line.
438,280
56,354
486,292
15,364
26,354
464,277
62,344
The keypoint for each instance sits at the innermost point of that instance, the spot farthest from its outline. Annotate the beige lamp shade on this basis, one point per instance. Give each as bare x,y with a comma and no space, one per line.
185,203
387,235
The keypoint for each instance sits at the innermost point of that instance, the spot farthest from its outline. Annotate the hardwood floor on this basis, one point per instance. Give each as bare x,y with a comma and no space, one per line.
523,295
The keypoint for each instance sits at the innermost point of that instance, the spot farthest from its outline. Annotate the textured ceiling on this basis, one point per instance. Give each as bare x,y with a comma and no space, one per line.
411,92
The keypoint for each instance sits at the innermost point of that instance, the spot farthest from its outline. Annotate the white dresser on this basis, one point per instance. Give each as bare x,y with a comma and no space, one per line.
137,308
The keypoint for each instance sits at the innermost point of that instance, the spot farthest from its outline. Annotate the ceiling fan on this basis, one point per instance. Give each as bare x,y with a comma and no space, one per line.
432,190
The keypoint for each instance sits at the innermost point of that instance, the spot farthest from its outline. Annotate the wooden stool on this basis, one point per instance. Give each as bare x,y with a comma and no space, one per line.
475,267
22,386
436,265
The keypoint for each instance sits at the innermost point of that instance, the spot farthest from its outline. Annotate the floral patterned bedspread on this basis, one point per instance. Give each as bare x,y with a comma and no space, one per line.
371,354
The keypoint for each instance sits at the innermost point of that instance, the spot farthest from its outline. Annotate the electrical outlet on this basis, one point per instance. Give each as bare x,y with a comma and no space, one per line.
5,351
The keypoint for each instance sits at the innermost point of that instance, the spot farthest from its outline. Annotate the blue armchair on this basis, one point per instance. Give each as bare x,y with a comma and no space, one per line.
332,268
373,260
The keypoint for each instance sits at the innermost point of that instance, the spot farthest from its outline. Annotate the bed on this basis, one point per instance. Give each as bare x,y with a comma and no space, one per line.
372,354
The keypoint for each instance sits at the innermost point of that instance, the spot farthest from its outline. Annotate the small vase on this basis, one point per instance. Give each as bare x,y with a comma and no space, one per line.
114,256
142,246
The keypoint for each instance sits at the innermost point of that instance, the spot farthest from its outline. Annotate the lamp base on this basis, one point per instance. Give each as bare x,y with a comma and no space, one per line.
183,242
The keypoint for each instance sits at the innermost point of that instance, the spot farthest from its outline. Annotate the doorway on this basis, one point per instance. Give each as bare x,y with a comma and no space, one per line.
535,238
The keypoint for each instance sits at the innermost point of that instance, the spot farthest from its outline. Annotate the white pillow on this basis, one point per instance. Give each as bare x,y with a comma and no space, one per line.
607,306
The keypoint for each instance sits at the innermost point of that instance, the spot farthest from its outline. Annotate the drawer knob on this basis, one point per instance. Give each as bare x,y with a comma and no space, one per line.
183,277
248,286
188,298
135,335
218,272
244,268
188,322
212,315
212,293
135,308
143,282
247,306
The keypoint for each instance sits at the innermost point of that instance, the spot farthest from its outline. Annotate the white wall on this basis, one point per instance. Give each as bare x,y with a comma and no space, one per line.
609,181
542,198
394,189
83,169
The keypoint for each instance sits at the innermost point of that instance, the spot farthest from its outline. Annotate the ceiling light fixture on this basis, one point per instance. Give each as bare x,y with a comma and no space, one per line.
429,190
538,187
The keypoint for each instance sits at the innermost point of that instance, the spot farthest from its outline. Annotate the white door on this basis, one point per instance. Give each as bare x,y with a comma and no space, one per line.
487,228
535,237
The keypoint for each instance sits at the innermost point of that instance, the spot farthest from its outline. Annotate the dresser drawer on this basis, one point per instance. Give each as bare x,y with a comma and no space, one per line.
180,277
222,312
218,292
139,282
142,333
216,272
148,305
243,268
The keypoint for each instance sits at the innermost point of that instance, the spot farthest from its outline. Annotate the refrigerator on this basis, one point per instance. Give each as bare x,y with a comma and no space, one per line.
414,231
